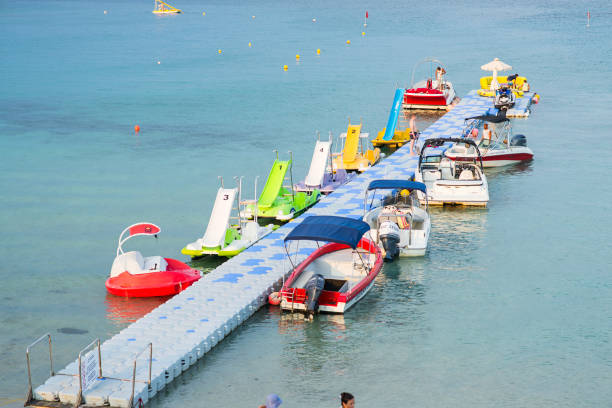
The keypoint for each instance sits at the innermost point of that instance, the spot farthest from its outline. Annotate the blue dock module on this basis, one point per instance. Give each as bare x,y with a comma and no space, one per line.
131,367
394,114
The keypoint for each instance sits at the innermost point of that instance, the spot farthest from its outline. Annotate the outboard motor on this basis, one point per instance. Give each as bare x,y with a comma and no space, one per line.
314,287
518,140
389,234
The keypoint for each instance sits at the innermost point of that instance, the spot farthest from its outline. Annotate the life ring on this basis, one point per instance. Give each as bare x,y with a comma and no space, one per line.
274,298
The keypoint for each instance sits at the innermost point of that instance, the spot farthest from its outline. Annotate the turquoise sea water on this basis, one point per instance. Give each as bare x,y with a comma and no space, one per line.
512,306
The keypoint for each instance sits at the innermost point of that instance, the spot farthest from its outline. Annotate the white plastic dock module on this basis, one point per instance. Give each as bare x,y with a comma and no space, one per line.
320,157
187,326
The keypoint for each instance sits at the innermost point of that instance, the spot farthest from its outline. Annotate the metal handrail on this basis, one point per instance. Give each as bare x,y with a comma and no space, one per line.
150,347
80,395
41,338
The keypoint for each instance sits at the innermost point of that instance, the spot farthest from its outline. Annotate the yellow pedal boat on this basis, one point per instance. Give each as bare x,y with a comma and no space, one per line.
517,86
354,156
164,8
400,138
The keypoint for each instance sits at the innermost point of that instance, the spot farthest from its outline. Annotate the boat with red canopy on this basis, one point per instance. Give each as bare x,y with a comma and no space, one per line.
133,275
337,274
433,93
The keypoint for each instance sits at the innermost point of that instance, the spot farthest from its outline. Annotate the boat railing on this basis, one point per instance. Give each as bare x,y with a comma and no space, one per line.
292,296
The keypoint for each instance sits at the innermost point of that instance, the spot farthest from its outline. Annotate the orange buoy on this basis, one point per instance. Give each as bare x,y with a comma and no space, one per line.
136,128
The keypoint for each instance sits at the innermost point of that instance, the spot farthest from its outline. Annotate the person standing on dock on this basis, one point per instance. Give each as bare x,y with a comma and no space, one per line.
414,134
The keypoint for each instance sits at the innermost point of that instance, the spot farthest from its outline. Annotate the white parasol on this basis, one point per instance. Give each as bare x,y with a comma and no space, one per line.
495,66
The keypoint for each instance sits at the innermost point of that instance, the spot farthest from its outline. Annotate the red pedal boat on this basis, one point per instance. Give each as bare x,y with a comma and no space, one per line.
134,276
434,93
336,275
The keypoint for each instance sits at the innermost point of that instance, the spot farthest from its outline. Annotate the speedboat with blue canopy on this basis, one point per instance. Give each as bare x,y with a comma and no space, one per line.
451,182
338,273
399,223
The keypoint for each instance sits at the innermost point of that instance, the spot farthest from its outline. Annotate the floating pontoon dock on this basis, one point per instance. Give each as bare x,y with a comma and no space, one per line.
143,358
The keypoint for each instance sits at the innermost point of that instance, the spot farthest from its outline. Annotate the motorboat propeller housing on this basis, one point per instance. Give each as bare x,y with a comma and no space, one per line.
389,234
314,287
518,140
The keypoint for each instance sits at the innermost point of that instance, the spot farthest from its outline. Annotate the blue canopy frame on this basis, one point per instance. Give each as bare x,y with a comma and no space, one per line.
397,184
329,228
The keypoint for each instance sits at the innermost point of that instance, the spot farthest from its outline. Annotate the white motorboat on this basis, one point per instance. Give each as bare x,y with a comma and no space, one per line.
398,223
498,146
451,182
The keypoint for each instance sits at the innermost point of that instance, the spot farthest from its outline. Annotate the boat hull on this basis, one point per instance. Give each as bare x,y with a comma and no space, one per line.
429,99
497,158
177,277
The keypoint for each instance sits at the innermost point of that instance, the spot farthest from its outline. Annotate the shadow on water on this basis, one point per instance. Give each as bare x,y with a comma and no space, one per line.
523,168
206,263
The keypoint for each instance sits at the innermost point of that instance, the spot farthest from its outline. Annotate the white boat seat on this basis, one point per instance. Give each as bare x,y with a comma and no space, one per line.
466,175
154,264
431,175
446,168
132,261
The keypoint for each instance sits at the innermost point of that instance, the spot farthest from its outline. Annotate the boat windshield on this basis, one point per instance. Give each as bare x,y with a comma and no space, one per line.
432,159
402,198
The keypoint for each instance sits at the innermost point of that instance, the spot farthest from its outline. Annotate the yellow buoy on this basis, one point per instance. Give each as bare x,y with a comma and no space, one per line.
348,41
250,44
297,57
203,13
318,51
219,51
285,67
363,33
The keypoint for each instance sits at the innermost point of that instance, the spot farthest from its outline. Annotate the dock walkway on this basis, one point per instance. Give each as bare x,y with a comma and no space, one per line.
187,326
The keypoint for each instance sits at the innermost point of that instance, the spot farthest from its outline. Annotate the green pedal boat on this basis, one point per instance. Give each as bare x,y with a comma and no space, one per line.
279,199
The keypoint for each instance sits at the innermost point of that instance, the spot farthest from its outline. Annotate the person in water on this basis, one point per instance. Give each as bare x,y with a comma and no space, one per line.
272,401
347,400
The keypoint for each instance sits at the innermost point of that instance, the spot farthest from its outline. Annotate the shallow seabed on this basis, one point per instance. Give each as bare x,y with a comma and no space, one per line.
511,306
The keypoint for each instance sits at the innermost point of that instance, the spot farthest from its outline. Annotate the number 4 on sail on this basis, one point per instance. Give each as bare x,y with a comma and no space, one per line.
164,8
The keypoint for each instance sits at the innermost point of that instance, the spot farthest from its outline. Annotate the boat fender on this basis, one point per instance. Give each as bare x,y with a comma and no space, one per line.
274,298
314,287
